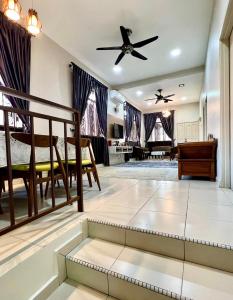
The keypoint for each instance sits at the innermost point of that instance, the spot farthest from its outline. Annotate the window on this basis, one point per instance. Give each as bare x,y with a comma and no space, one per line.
133,134
90,121
158,133
14,120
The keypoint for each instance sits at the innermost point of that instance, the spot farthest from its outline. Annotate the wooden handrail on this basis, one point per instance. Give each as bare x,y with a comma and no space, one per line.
18,94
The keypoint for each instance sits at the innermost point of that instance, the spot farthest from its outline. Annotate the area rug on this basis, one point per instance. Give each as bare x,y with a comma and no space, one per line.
139,172
150,164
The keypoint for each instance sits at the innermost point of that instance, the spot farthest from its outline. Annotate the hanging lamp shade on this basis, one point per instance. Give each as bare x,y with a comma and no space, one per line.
33,23
12,9
166,113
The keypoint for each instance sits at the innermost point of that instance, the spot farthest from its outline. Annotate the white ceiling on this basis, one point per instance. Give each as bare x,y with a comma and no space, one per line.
191,91
80,26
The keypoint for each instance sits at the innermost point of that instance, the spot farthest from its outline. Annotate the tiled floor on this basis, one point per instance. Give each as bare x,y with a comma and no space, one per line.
70,290
186,279
196,209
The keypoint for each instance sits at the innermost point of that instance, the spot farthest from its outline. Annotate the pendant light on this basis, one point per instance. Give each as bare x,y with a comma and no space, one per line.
33,23
12,9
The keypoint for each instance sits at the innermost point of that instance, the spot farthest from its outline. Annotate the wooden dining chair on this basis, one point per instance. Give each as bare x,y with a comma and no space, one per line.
88,165
25,171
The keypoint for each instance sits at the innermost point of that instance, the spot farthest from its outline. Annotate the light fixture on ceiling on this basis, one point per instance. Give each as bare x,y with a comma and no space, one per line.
184,98
33,23
139,93
117,69
175,52
166,113
181,85
12,9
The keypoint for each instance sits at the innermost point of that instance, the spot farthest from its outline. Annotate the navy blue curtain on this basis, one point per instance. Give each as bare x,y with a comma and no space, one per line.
168,124
138,118
82,87
149,122
129,118
102,107
15,60
132,114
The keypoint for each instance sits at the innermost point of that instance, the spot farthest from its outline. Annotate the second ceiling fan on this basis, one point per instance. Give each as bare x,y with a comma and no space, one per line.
127,47
160,97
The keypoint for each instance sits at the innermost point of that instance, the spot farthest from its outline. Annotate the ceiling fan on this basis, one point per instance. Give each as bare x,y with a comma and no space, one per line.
160,97
127,47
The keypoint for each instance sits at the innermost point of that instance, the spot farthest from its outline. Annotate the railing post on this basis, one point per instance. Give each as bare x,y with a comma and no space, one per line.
66,158
9,168
32,181
51,161
78,161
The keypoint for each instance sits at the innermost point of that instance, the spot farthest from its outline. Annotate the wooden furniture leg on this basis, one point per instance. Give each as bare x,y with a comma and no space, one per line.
41,185
1,189
89,179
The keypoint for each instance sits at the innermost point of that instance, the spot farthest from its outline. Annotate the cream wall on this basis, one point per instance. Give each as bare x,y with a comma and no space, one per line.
211,87
51,78
183,113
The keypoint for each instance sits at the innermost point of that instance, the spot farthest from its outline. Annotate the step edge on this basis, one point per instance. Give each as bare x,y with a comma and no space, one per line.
132,280
162,234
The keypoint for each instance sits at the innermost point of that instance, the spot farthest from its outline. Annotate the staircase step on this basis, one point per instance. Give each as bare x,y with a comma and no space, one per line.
205,253
71,290
131,274
115,270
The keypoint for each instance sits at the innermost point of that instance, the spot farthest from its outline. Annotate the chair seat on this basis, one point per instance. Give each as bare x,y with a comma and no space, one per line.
40,167
85,162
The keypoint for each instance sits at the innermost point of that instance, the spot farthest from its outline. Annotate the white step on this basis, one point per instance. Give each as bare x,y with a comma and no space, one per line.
71,290
205,253
131,274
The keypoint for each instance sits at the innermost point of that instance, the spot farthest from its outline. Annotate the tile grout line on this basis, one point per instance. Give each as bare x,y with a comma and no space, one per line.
182,282
141,207
114,263
131,280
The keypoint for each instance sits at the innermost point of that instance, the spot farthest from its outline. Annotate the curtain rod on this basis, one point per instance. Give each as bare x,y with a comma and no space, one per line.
72,64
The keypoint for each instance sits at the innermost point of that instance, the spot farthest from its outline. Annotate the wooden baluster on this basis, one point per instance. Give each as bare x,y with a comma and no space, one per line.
51,161
78,162
9,168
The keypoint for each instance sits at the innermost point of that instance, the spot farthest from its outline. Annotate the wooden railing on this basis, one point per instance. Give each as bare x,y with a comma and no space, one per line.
14,222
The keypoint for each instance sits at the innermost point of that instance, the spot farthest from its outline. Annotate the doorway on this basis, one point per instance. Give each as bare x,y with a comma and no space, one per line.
231,106
205,120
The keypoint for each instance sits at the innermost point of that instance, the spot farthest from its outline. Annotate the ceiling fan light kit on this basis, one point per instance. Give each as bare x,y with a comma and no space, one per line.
159,97
127,47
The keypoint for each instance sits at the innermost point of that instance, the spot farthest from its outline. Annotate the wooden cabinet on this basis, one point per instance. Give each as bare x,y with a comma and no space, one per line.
197,159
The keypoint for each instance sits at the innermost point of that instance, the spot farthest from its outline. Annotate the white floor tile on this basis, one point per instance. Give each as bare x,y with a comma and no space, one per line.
153,269
209,196
162,222
208,211
97,252
210,230
71,290
166,206
203,283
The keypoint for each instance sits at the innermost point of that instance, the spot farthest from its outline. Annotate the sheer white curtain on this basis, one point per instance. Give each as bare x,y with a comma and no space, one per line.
90,121
158,133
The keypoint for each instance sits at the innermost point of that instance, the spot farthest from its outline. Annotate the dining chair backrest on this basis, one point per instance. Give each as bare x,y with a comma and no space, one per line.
84,143
42,141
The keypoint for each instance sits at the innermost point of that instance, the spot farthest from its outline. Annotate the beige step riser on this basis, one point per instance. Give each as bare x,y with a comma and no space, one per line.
200,252
114,284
